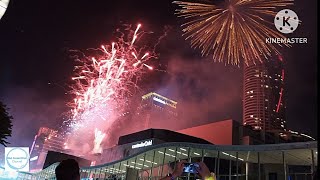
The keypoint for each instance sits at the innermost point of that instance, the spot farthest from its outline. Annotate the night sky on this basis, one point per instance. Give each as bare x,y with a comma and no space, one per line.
36,68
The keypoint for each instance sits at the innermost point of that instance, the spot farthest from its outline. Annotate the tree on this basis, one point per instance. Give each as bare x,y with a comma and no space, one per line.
5,124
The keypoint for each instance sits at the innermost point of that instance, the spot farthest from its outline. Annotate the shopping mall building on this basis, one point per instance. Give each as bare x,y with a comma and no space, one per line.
232,150
152,153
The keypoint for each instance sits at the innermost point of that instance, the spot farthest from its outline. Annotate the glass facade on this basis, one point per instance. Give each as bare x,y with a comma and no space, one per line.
292,161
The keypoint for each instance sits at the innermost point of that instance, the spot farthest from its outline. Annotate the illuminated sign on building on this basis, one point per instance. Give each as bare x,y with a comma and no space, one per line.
17,159
142,144
159,100
34,158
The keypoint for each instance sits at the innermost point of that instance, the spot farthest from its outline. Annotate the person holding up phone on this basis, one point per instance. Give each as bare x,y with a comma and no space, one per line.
203,171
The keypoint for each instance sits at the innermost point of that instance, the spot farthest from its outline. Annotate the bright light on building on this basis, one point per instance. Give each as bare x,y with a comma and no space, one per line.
159,100
34,158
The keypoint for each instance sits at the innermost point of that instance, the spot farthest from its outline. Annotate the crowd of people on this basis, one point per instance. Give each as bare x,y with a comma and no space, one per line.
69,170
202,171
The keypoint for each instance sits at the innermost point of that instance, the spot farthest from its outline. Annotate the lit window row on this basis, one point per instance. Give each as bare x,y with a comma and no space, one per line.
249,92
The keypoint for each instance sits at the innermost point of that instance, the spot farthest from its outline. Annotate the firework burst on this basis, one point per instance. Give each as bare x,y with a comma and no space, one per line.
104,82
233,30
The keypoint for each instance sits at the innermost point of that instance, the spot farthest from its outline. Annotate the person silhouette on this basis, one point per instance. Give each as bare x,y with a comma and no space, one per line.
68,170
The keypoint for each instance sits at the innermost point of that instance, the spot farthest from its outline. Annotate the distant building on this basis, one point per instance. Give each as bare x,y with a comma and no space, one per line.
46,140
224,132
153,108
231,132
263,96
293,136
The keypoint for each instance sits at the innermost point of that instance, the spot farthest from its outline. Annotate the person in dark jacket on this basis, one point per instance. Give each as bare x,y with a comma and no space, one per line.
68,170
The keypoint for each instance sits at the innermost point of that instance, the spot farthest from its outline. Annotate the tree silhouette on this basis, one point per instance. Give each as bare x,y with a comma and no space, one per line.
5,124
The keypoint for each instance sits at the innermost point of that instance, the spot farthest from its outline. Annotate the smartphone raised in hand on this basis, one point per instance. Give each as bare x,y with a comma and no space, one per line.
191,168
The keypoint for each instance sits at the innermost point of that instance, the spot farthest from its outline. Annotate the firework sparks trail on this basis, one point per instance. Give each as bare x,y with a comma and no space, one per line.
232,31
104,82
98,138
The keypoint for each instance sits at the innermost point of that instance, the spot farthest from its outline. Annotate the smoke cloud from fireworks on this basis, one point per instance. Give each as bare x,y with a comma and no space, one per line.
205,92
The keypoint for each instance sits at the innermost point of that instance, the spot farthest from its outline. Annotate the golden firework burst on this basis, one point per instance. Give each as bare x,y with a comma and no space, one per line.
234,30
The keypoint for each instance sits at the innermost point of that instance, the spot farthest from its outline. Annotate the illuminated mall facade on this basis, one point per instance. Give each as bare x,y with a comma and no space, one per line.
231,150
146,160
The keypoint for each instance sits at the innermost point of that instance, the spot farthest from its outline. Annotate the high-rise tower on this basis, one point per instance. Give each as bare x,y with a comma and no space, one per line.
263,96
155,111
46,140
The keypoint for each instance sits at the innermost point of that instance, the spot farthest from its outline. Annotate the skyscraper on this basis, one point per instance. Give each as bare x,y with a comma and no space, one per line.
46,140
263,96
156,110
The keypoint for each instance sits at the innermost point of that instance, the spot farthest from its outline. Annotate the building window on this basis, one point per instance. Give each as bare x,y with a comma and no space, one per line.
249,92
